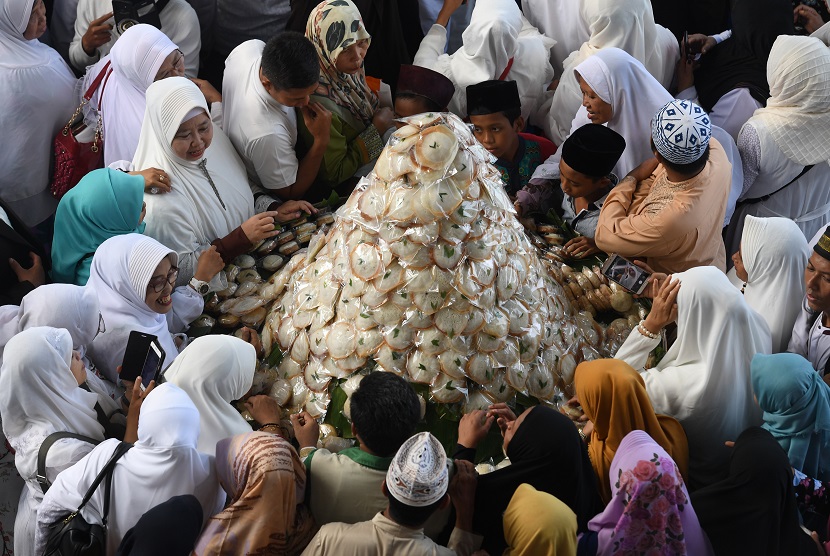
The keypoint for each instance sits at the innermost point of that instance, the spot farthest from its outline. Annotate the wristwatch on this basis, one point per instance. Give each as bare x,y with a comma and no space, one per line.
201,287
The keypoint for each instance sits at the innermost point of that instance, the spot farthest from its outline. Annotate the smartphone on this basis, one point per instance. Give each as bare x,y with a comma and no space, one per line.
143,358
625,273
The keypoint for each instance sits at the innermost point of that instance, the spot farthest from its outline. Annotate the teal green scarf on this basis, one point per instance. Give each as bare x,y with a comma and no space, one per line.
796,405
105,203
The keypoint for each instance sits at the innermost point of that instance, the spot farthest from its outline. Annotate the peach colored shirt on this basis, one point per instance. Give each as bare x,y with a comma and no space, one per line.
673,226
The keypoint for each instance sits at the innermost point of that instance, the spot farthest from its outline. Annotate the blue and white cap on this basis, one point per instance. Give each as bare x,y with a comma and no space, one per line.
680,131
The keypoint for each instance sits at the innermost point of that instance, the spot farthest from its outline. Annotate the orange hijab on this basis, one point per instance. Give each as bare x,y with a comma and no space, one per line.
613,396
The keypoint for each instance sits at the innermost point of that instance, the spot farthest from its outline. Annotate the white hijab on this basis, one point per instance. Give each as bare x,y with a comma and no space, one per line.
560,20
162,464
214,371
191,216
15,51
134,60
121,269
635,97
79,315
37,96
797,114
498,32
39,395
775,255
703,380
624,24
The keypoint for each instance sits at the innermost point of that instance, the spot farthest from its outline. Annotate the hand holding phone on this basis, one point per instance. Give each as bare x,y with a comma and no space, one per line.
625,273
143,358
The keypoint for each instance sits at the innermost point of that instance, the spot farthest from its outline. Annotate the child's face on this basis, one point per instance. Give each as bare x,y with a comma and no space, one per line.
576,184
496,133
408,106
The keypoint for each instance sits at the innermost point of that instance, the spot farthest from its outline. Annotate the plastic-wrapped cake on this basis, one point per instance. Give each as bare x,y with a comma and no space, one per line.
426,273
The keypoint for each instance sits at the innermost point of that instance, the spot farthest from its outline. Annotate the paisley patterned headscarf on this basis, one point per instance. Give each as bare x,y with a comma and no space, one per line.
333,26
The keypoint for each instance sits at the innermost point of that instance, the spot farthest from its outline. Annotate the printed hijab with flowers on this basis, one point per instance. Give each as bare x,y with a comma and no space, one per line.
649,512
333,26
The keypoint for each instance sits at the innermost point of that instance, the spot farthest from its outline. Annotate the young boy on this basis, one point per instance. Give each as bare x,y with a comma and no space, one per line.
495,111
416,485
421,90
588,156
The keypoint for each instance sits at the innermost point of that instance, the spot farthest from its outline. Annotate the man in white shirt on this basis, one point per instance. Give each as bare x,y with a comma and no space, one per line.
811,333
262,87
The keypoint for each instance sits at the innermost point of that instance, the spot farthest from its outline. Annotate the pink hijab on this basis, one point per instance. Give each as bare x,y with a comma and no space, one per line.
650,506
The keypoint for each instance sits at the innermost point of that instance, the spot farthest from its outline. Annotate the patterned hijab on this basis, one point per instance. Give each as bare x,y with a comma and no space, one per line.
334,26
266,481
650,510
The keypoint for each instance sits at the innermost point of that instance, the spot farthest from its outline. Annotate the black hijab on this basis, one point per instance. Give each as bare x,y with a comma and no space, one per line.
171,528
741,61
547,453
753,511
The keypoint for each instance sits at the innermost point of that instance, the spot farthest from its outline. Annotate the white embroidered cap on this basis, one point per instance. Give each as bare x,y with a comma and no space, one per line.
418,473
680,131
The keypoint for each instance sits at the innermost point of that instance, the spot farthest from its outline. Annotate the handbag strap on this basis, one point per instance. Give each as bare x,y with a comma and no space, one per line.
120,451
106,473
97,82
768,195
44,449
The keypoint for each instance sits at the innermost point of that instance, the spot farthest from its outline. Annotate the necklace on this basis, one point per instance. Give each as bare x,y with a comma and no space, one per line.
203,166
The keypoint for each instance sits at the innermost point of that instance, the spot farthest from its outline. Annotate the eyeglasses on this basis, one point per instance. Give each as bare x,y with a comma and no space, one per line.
158,284
178,64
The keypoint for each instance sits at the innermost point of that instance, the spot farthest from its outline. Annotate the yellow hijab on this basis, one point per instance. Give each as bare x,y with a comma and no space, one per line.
538,524
614,398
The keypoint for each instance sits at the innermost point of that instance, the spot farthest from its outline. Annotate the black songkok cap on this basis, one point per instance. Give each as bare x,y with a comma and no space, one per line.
823,245
490,97
426,83
593,150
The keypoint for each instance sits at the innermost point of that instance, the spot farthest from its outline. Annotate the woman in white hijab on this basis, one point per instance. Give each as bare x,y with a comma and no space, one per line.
211,202
621,94
74,308
134,277
141,56
560,20
769,270
625,24
162,464
703,381
214,371
498,44
37,92
39,395
780,141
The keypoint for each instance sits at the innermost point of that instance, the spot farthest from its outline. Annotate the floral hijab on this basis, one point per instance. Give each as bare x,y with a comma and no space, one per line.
650,510
333,26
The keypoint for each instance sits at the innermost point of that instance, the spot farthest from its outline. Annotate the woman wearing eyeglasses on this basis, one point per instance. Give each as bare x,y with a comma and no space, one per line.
142,55
134,277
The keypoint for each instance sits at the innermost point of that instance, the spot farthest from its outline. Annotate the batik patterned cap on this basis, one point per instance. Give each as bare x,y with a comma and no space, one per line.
680,131
418,473
823,245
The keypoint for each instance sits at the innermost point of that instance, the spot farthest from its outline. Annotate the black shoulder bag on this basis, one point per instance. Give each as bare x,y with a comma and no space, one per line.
44,449
73,535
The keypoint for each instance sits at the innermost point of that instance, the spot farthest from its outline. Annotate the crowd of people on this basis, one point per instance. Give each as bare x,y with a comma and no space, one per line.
693,141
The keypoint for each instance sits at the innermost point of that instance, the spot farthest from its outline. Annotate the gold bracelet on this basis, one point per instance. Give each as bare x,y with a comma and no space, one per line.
304,452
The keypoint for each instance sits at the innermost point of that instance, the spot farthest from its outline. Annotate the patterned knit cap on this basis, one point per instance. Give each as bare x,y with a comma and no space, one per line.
680,131
418,473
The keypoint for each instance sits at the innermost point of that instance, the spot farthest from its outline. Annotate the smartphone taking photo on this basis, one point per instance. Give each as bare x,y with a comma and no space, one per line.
143,358
625,273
